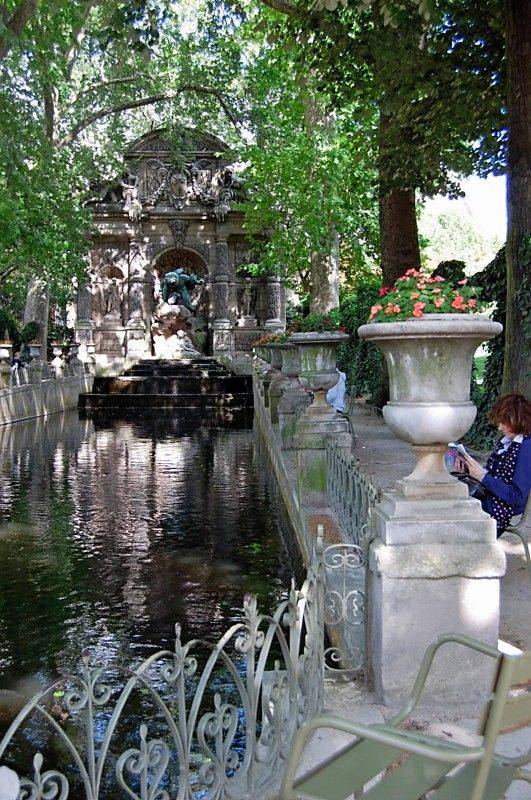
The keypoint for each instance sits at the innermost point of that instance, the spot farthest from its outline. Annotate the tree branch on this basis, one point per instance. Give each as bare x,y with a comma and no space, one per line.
147,101
16,24
7,272
77,37
284,8
104,84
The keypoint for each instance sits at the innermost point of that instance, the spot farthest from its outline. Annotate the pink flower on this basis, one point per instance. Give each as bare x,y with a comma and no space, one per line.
414,295
437,278
397,309
463,282
436,290
375,309
385,290
472,303
439,301
417,309
458,303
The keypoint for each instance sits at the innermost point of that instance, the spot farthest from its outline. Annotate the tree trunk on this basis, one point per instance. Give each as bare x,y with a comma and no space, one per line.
399,239
324,279
16,24
517,360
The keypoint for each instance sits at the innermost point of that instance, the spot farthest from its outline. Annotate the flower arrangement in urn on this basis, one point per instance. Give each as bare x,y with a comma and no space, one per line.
320,323
416,294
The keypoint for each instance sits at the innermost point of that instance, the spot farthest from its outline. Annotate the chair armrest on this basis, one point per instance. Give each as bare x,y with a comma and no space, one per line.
427,660
375,733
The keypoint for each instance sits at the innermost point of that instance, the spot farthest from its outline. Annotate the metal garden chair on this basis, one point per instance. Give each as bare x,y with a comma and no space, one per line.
519,530
443,769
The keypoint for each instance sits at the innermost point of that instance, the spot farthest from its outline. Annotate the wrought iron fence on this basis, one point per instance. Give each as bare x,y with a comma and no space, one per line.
352,496
214,721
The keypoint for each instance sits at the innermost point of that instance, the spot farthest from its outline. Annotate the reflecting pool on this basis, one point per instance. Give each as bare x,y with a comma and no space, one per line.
112,531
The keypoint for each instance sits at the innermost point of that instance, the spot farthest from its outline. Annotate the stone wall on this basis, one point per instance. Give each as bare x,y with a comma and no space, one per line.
43,398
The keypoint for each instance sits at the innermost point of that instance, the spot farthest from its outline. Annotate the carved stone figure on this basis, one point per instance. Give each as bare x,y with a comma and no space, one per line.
178,228
175,287
112,300
247,296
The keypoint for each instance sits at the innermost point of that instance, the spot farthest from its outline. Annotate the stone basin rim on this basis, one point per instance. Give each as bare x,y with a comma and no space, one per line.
446,326
317,337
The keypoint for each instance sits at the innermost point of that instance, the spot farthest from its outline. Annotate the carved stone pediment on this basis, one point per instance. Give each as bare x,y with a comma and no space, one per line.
203,177
193,141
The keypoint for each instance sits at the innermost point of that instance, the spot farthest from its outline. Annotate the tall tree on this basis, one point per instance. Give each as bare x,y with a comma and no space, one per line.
517,364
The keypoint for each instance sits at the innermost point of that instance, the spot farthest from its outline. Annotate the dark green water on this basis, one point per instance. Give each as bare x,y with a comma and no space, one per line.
110,533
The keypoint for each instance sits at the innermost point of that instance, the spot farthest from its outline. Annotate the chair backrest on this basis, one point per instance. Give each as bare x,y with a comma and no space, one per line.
508,709
525,519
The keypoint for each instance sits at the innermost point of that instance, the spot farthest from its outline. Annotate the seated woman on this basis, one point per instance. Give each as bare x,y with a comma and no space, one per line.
507,476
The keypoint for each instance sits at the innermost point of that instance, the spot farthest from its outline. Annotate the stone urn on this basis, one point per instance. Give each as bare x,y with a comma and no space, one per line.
6,351
318,356
35,349
430,363
276,355
291,363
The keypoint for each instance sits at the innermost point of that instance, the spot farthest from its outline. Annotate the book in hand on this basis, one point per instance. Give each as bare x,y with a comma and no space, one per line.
461,449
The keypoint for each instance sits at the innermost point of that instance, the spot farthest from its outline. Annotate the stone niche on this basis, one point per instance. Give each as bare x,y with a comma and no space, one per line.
163,214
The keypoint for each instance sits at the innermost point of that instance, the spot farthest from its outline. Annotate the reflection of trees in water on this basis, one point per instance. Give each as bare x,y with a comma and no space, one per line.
124,529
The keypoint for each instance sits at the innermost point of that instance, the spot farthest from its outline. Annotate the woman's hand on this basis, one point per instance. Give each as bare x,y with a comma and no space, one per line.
474,467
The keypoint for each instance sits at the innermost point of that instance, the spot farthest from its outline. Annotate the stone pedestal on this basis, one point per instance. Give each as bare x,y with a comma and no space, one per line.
37,309
434,568
292,403
136,341
317,425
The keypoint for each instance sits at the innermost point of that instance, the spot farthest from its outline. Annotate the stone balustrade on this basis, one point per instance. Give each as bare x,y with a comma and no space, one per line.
38,388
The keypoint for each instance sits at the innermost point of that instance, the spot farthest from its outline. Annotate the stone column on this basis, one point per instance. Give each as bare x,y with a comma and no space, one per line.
273,304
222,339
84,326
138,289
37,309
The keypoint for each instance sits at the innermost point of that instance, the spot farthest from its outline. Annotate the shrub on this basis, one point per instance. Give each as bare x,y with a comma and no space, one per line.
361,361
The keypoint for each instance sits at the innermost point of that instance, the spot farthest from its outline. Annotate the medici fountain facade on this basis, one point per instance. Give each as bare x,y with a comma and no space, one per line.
168,260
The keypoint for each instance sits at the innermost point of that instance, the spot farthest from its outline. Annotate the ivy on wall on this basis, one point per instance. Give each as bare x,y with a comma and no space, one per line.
493,282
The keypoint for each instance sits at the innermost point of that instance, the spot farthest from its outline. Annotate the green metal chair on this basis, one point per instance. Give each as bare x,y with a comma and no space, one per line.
443,769
519,530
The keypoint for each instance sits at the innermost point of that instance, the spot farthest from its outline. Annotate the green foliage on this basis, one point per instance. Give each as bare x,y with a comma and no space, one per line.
331,321
452,271
9,326
29,332
362,362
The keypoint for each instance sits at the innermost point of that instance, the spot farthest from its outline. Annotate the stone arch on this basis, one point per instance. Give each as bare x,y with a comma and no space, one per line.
111,271
191,261
185,257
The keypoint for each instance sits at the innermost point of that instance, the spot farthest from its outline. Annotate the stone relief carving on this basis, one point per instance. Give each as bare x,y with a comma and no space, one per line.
209,182
178,229
242,254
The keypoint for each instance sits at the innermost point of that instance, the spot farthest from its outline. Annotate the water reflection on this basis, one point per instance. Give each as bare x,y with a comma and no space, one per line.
110,532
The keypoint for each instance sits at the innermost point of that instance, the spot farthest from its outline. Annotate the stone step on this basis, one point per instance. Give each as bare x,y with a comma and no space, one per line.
173,384
181,422
202,401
